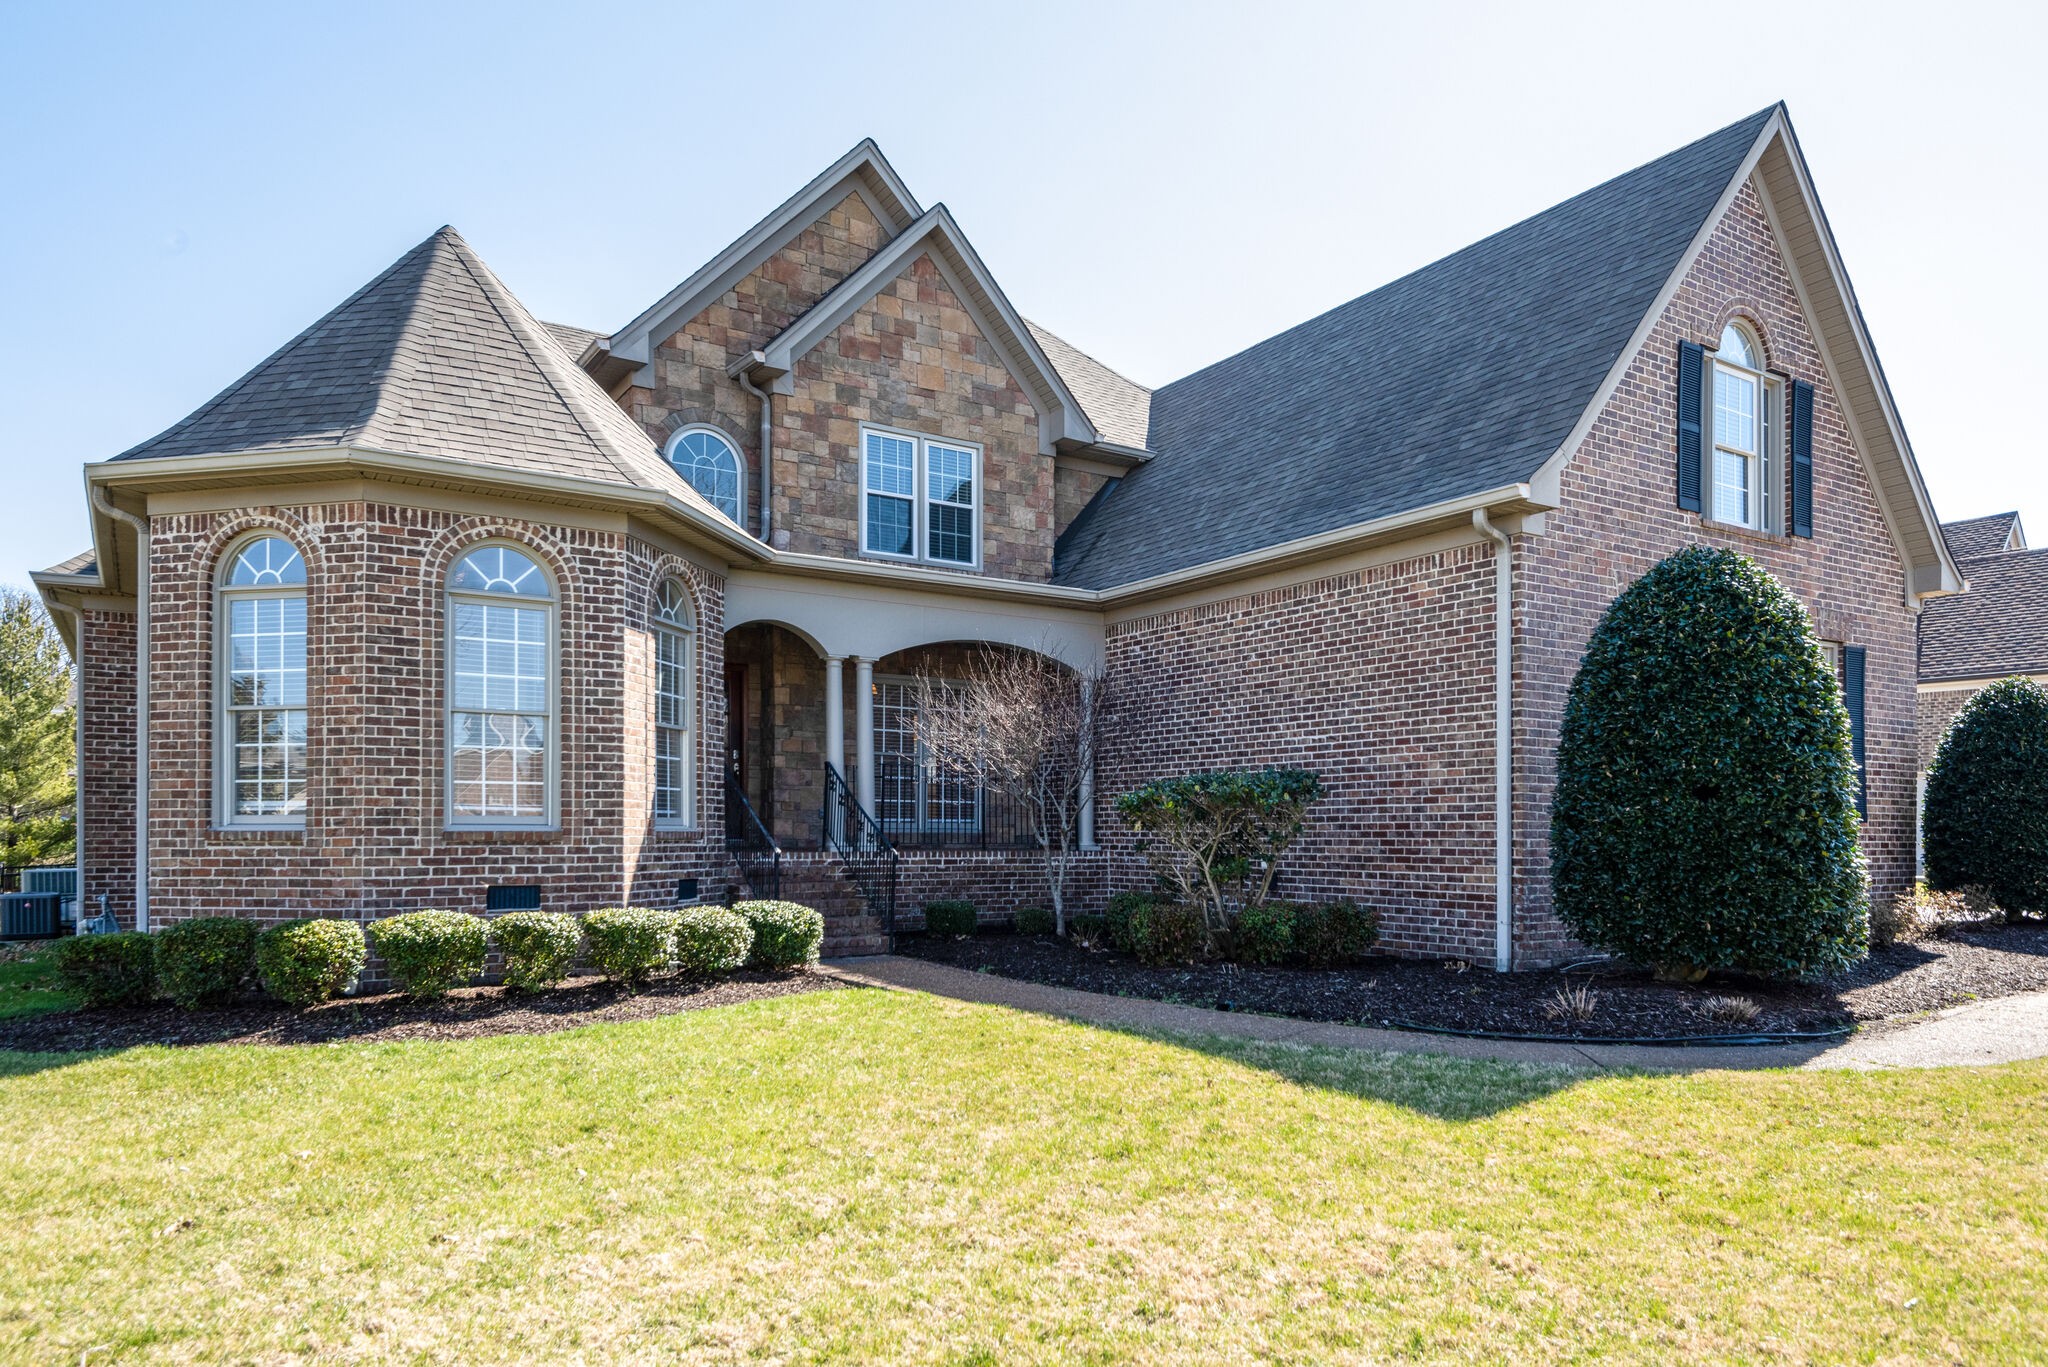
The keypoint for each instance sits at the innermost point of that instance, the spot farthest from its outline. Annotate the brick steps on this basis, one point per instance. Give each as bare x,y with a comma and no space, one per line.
821,883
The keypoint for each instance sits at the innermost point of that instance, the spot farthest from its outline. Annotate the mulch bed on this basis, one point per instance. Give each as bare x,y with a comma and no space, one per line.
1960,964
468,1013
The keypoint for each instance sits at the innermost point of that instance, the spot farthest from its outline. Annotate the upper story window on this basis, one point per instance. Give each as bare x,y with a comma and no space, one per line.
502,745
1747,428
674,692
712,465
261,723
920,498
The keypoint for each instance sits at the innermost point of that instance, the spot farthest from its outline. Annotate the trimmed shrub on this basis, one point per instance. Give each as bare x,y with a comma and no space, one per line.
1263,934
1985,824
1117,918
710,940
1705,810
1088,930
1328,934
204,961
629,943
1165,933
1216,838
952,917
786,934
303,962
539,947
109,970
1034,921
429,952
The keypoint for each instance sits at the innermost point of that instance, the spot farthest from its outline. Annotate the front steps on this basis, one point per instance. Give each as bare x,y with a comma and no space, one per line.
819,881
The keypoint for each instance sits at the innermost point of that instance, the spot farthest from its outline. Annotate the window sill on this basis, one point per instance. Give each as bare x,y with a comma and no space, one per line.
1736,529
258,835
501,835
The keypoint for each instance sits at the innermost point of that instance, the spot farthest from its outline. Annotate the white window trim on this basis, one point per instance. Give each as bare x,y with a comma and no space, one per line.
687,821
224,815
1770,444
551,607
920,516
668,451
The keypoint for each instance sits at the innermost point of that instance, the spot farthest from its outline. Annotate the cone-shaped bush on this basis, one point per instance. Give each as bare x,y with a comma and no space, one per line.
1705,812
1985,823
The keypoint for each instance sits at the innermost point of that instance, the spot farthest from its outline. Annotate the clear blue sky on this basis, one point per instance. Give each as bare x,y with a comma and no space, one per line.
187,185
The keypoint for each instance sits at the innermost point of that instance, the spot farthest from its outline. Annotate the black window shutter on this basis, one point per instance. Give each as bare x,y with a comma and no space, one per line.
1692,392
1802,458
1852,695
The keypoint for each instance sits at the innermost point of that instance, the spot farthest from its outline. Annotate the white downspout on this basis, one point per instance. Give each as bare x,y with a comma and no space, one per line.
1503,742
77,617
141,526
767,518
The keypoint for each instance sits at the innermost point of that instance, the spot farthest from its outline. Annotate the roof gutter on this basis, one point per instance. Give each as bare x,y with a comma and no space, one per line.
106,507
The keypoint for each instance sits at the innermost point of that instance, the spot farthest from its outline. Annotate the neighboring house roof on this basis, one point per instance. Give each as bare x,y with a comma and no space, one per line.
1463,376
1120,408
1999,627
1976,536
84,565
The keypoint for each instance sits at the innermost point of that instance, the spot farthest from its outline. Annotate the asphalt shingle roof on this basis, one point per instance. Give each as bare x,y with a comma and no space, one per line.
1998,627
1976,536
434,357
1119,408
1463,376
85,562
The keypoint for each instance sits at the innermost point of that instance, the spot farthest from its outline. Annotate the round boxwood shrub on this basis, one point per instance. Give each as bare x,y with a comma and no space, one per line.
303,962
1985,824
204,961
1330,934
629,943
1165,933
1263,934
710,940
1116,918
429,952
786,934
949,917
539,947
109,970
1705,810
1034,921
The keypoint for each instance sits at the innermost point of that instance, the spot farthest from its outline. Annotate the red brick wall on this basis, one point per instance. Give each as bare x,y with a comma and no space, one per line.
1934,710
1619,517
106,684
998,882
1381,681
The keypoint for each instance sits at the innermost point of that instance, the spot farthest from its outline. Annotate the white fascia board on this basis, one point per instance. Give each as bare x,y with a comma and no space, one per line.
863,171
1061,417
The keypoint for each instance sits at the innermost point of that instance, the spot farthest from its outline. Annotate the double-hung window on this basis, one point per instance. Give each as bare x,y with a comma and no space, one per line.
501,690
261,630
920,499
1744,416
674,625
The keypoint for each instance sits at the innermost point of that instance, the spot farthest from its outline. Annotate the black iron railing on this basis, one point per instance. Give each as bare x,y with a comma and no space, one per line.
863,847
948,815
752,848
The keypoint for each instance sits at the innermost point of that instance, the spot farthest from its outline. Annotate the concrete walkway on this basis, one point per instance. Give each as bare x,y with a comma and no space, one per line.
2001,1031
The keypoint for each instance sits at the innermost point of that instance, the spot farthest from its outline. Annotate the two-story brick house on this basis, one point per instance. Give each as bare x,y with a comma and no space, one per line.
440,605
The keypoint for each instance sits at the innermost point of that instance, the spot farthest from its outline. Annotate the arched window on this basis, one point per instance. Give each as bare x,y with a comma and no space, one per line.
501,690
674,713
1746,425
713,466
260,637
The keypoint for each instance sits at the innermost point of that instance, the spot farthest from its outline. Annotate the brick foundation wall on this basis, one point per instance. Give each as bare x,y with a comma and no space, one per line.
998,882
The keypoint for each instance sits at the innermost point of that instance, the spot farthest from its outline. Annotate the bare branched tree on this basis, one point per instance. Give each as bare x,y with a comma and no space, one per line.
1027,728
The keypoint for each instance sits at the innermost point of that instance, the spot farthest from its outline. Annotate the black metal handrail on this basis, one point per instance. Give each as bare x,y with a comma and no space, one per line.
944,815
749,842
863,847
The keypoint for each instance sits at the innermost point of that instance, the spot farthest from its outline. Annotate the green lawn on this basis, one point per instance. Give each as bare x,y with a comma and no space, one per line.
28,981
868,1176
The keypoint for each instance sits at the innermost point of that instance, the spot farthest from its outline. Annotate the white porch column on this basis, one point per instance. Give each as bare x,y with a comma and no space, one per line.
864,731
835,728
1087,764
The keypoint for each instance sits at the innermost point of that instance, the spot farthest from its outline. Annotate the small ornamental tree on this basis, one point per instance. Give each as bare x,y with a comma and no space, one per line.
1985,823
1216,838
1705,810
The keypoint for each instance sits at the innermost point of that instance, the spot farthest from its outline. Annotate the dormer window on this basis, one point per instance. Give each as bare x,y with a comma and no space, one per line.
712,465
1744,417
920,499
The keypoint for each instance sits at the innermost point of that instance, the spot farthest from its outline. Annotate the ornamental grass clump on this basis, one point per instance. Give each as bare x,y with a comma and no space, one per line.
1705,811
203,962
710,940
427,953
629,944
539,947
1985,824
109,970
786,934
304,962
